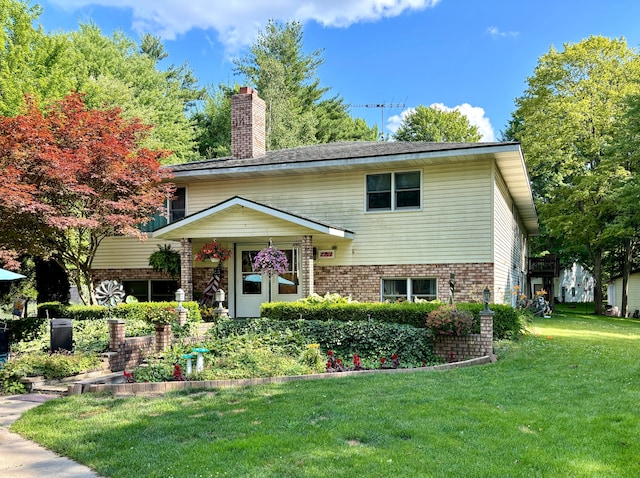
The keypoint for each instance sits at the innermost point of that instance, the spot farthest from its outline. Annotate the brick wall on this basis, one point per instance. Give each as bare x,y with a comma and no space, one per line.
126,353
129,352
100,275
457,349
163,337
360,282
363,282
186,272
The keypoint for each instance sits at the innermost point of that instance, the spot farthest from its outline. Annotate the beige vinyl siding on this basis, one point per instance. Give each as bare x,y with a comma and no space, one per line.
127,252
507,244
239,222
633,297
453,225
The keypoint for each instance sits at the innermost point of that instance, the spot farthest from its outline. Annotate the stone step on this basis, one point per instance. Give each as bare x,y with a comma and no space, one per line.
57,389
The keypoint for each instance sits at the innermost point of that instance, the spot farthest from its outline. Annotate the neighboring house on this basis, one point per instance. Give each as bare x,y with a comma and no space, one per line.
373,220
575,284
614,296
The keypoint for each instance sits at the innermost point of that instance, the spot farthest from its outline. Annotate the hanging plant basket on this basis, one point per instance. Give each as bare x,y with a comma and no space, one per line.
270,260
166,260
213,252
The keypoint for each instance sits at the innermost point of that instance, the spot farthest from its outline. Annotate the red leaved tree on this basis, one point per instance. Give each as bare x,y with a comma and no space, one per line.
71,177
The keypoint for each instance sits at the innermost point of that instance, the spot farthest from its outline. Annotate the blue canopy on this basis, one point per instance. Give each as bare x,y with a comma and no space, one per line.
8,275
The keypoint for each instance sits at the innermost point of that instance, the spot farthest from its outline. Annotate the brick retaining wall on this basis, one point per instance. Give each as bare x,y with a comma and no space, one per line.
129,352
455,349
162,387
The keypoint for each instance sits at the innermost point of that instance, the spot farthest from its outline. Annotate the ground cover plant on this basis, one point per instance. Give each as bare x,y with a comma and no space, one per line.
560,402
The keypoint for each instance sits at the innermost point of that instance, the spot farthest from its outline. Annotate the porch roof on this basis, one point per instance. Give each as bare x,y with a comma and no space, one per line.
293,223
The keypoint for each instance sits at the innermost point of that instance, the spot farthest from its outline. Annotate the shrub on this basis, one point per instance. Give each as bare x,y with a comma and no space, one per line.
448,320
33,334
408,313
50,366
369,339
508,323
138,310
154,371
328,298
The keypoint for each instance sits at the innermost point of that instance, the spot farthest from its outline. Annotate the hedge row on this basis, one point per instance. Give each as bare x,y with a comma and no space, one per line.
138,311
508,323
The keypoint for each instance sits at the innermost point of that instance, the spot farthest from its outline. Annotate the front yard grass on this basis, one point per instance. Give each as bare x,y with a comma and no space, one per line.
560,402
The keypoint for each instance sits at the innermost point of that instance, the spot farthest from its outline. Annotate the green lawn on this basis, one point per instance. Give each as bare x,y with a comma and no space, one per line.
561,402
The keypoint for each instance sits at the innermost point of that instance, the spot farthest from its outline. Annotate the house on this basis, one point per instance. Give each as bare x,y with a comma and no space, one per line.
572,284
575,284
372,220
614,296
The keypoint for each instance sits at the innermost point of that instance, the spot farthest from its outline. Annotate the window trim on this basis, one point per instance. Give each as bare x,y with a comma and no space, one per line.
393,192
409,282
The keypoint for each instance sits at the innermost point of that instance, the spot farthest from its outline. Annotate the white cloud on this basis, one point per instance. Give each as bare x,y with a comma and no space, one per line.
496,33
394,122
237,22
474,114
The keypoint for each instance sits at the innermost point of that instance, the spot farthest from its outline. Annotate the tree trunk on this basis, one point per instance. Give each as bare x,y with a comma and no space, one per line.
597,281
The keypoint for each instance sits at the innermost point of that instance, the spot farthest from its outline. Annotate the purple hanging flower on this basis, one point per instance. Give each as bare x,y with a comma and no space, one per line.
270,260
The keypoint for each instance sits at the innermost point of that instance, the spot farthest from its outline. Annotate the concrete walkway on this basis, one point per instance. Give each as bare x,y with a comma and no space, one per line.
20,458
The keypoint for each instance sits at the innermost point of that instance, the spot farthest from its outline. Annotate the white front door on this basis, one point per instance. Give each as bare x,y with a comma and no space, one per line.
253,289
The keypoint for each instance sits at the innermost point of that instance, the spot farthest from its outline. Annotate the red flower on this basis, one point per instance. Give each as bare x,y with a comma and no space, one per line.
383,360
330,353
394,356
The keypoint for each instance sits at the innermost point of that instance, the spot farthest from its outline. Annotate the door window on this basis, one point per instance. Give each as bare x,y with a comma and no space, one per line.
251,281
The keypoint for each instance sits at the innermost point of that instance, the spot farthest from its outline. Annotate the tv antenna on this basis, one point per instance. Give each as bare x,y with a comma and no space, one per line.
382,107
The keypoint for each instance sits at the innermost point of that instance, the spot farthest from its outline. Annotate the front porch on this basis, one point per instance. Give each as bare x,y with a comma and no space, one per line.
246,227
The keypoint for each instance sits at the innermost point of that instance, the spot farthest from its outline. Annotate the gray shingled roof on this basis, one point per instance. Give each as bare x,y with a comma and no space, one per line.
330,151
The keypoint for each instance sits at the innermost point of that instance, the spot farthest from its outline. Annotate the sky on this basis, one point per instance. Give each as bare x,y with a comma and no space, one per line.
470,55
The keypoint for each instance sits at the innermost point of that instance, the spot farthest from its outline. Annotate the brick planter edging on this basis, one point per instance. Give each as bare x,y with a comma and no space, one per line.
162,387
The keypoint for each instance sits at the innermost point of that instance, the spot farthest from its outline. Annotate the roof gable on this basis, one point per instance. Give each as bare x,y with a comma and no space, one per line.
265,220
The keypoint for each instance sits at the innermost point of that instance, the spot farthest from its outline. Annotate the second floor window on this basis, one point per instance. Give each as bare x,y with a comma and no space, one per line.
178,205
393,191
176,209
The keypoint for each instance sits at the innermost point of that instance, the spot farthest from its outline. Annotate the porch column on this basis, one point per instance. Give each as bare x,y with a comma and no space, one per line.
186,271
307,266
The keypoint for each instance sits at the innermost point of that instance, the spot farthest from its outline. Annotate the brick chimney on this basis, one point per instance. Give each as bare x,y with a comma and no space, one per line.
248,111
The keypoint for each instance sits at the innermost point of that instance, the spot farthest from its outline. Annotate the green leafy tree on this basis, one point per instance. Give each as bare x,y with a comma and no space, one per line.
625,157
31,62
433,124
213,123
287,79
116,72
335,124
112,71
568,118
